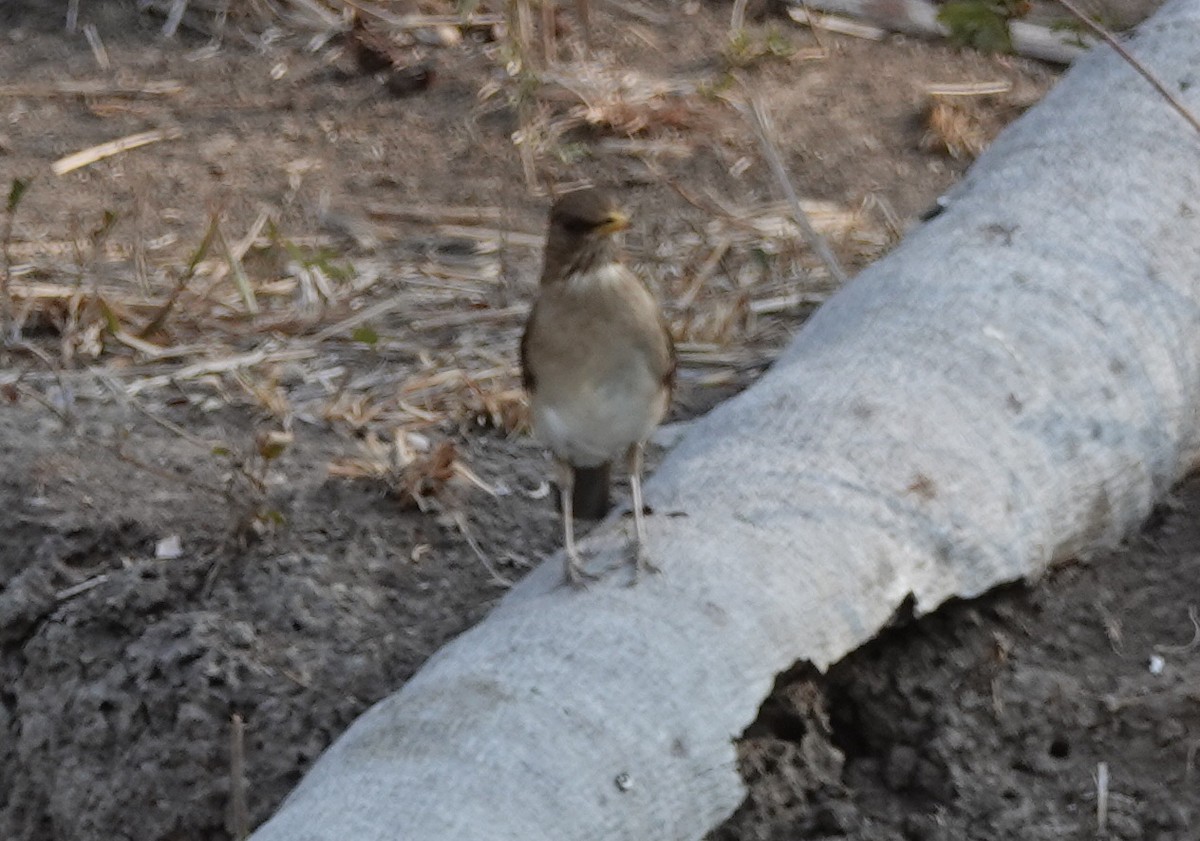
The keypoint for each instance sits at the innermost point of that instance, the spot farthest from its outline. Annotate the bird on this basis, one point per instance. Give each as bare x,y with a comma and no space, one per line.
597,363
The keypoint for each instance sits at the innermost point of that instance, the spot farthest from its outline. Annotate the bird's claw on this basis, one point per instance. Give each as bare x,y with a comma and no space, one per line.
577,576
642,564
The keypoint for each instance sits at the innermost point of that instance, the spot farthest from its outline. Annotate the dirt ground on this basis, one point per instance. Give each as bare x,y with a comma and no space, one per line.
158,576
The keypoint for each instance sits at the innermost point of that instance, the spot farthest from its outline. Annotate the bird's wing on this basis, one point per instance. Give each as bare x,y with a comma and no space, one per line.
527,379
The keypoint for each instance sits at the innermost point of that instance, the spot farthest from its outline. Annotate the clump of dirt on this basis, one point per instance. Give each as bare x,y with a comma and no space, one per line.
121,670
993,718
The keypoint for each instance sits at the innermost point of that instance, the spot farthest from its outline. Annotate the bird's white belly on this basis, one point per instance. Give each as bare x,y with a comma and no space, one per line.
596,425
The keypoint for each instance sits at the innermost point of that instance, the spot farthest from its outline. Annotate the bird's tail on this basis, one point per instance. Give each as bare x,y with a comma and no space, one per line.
589,498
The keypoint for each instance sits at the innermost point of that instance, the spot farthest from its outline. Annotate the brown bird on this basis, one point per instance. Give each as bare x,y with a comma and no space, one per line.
597,362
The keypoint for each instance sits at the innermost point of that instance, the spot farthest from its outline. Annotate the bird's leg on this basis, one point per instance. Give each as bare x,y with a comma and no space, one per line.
641,559
576,574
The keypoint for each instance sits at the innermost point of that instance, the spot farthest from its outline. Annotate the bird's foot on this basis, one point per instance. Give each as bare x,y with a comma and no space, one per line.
575,573
642,563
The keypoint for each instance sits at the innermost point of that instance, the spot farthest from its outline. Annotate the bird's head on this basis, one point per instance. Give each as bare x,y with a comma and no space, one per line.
580,236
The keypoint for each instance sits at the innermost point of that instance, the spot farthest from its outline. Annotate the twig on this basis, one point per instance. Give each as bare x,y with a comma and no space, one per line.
239,819
159,318
245,288
1112,41
98,51
15,192
189,19
462,319
517,239
1189,646
762,125
549,42
70,87
87,157
219,366
737,18
891,219
153,470
969,88
118,392
812,26
320,16
787,303
1102,799
65,413
641,11
835,24
461,522
435,215
174,18
919,17
81,587
377,310
405,22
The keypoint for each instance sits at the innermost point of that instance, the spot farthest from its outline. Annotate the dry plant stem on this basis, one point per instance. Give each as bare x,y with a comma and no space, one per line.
497,577
174,18
549,42
98,51
416,21
762,125
239,818
134,461
835,24
737,18
584,12
119,393
438,215
1112,41
33,395
969,88
6,303
80,588
89,156
343,327
72,88
1189,646
160,317
64,412
813,28
319,13
636,9
708,207
519,35
919,17
220,366
233,259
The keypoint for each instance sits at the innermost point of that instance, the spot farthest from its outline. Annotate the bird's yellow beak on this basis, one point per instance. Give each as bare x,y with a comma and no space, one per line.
616,221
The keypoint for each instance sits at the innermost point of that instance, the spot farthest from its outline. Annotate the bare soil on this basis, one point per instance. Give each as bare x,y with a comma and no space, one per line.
122,662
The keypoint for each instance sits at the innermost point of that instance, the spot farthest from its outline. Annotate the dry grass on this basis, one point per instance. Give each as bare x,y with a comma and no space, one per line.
319,20
423,345
953,128
961,118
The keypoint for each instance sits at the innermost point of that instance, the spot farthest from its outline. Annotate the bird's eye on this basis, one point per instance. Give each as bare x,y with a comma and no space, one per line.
576,225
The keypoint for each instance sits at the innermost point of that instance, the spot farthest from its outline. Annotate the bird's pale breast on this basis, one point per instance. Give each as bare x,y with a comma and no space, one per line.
599,368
